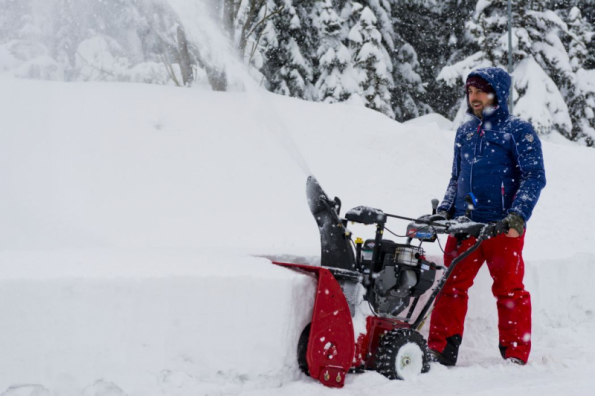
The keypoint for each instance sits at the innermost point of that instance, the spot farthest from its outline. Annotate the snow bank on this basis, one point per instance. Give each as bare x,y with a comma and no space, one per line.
432,120
131,215
142,319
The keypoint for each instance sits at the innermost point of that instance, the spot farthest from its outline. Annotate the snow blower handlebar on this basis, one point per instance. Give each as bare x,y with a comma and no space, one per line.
426,230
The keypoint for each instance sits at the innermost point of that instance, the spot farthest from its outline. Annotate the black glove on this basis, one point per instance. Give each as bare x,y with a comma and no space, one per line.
500,227
515,222
442,215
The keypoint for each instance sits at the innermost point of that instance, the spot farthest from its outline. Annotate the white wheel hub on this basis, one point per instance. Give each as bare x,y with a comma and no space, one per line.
409,361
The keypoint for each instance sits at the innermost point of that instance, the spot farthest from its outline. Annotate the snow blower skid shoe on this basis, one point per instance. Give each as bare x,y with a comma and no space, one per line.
394,277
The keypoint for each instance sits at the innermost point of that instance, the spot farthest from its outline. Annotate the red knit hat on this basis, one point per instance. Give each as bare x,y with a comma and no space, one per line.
479,83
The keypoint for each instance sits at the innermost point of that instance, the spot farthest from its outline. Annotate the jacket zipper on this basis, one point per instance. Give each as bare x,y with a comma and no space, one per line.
480,133
503,197
473,163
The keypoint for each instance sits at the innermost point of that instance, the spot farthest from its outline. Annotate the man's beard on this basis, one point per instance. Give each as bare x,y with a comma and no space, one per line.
477,111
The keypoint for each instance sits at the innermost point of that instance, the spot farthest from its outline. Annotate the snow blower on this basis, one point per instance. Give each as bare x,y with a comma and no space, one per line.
394,277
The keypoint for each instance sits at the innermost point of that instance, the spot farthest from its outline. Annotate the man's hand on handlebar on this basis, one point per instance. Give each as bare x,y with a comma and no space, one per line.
501,227
516,225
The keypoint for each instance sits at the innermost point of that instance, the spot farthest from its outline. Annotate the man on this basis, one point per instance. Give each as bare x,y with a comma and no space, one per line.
497,159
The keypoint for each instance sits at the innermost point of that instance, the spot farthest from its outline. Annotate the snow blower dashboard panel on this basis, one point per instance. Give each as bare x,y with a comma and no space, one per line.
423,232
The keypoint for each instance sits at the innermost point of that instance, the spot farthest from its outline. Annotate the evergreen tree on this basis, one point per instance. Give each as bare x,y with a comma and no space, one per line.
408,92
587,9
581,96
14,17
580,34
428,34
68,35
407,88
349,11
436,29
286,69
382,10
371,63
307,37
336,82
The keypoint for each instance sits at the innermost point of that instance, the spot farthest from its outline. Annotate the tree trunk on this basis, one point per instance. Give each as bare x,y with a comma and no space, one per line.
185,63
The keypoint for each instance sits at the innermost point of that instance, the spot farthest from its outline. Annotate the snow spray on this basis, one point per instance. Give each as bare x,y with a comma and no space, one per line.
202,30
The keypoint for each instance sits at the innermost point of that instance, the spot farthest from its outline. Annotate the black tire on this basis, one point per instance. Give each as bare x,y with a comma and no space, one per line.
302,349
402,353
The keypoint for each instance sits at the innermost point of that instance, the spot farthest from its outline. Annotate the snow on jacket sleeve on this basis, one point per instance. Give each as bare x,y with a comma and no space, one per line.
529,158
448,203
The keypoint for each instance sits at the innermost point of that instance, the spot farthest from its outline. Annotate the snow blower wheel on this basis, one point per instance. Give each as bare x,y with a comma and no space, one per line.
302,349
402,354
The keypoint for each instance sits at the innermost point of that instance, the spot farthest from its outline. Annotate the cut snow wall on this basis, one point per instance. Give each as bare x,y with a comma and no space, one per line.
238,318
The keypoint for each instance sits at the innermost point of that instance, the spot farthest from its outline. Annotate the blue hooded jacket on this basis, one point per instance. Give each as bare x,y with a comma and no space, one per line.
497,158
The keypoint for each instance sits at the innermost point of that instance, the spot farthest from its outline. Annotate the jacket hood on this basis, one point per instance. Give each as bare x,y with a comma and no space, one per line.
499,80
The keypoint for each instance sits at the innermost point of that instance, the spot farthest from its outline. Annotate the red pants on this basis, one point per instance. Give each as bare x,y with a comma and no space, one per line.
505,262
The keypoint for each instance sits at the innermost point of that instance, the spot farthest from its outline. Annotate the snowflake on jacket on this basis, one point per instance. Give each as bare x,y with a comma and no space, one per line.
497,158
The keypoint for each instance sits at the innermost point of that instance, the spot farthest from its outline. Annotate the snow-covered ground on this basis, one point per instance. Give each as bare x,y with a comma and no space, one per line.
136,223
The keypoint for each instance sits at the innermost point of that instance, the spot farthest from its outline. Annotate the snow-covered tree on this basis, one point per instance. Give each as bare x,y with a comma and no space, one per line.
581,33
371,62
581,95
382,10
406,88
587,9
336,82
286,69
408,91
349,11
68,34
25,40
435,30
307,36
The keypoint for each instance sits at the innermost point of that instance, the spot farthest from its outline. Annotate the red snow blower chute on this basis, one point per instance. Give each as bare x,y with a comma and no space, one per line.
392,277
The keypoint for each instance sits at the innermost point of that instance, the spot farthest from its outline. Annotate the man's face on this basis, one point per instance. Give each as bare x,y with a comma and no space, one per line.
479,100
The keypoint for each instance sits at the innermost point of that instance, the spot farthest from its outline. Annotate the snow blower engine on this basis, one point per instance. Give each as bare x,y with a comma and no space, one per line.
404,274
395,280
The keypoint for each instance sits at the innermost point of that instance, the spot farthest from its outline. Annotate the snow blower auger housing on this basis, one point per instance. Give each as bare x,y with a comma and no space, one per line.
394,278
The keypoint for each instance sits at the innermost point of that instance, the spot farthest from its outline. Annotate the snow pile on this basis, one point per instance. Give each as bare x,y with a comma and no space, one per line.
141,319
134,218
435,120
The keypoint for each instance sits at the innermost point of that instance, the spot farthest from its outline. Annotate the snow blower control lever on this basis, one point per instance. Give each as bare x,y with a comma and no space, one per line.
435,203
393,276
